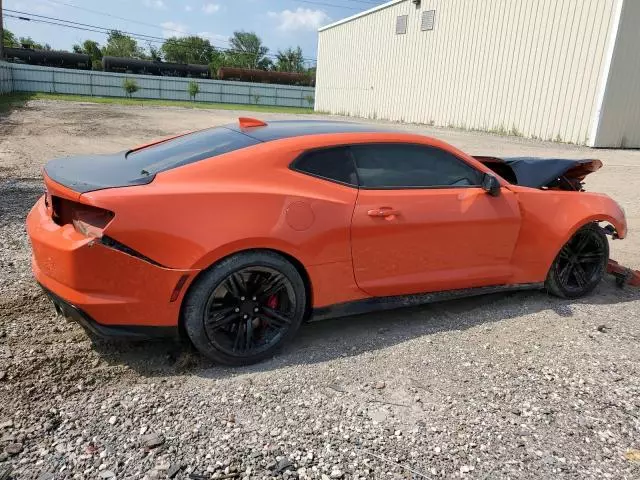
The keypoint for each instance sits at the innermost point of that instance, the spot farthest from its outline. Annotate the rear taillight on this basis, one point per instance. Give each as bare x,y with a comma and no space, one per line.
87,220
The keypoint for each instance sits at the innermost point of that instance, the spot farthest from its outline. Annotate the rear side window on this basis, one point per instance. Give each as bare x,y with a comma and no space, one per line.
187,149
335,164
411,166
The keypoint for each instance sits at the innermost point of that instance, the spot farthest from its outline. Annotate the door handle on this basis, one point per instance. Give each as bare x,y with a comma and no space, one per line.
383,212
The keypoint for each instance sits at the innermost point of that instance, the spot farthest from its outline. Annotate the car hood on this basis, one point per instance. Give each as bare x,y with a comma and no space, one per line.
540,172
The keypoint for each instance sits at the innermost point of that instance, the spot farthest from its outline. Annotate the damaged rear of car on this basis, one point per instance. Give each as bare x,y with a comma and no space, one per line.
89,251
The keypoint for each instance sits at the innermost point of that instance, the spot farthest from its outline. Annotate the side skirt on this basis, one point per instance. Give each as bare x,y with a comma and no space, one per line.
375,304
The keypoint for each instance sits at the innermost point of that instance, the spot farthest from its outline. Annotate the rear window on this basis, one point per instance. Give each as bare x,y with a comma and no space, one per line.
187,149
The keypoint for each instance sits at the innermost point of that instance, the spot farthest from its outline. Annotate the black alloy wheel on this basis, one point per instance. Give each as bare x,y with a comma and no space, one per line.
250,311
581,263
245,308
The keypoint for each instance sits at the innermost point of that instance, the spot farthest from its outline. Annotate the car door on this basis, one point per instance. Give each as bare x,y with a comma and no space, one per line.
422,222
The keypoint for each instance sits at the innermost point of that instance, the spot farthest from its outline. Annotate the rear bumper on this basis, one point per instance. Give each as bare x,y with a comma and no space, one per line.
74,313
101,286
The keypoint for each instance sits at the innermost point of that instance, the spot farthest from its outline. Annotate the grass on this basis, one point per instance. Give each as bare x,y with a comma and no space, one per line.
13,100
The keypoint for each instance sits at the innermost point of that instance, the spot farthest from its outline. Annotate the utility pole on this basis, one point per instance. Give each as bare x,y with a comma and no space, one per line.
1,34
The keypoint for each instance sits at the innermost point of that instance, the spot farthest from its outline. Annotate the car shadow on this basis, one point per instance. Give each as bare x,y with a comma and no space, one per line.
349,336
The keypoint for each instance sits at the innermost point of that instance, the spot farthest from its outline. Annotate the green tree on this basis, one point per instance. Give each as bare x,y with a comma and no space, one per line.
91,48
290,60
191,49
9,39
130,86
218,59
193,89
31,43
121,45
155,53
247,51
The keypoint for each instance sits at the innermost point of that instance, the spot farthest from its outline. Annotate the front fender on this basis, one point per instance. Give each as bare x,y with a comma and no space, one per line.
550,219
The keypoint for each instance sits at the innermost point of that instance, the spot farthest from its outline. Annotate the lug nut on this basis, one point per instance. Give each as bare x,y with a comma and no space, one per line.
246,316
237,310
242,298
254,299
256,309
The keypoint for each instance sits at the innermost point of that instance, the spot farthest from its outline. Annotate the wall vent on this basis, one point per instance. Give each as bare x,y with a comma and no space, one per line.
428,20
401,25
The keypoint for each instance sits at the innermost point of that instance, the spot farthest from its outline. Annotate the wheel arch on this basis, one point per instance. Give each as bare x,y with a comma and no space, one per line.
292,259
619,230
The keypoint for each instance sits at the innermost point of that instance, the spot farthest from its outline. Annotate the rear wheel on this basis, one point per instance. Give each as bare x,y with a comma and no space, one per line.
581,264
245,308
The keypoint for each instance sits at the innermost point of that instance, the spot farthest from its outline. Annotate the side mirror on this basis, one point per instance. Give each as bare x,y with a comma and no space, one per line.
491,185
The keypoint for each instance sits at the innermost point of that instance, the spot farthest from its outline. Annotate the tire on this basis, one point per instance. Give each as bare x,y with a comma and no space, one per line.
245,308
580,264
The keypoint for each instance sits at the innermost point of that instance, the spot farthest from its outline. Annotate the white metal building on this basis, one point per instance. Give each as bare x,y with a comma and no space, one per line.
565,70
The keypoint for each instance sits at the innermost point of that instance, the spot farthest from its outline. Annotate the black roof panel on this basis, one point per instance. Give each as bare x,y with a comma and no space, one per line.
279,129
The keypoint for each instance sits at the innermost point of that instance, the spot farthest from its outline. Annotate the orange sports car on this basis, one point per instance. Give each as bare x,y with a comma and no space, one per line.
233,236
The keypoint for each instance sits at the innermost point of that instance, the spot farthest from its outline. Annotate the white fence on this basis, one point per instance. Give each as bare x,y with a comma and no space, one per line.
6,78
30,78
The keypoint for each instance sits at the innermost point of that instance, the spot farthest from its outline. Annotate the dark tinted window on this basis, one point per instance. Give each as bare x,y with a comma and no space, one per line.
187,149
332,163
397,166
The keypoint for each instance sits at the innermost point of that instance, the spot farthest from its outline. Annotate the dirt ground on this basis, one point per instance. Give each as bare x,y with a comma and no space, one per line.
520,386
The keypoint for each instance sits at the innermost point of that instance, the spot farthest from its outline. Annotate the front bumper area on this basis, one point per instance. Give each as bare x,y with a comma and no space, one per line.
124,332
100,286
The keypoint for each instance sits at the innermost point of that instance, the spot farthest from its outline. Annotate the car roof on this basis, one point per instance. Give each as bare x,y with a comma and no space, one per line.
279,129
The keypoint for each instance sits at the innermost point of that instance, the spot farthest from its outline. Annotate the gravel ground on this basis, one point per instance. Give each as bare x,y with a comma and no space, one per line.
514,386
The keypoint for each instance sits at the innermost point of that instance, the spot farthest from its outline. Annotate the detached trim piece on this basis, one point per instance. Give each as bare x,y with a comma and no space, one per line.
133,332
116,245
374,304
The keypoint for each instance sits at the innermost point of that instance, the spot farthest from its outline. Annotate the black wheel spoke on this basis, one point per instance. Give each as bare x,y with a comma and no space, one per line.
591,256
238,342
218,323
253,283
580,275
275,318
220,311
235,285
582,243
272,286
565,273
249,334
565,253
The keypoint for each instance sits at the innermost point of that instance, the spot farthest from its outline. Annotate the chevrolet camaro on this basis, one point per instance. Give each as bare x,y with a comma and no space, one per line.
234,236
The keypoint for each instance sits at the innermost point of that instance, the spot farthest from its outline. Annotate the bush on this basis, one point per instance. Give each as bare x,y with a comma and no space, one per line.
310,100
193,89
130,86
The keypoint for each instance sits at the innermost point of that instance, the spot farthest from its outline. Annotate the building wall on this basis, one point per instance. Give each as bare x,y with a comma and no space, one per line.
618,124
528,67
33,78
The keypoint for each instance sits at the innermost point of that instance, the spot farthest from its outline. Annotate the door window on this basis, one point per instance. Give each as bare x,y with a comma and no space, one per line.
335,164
389,166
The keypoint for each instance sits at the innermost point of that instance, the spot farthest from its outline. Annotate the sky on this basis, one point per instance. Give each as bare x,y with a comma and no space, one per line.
280,23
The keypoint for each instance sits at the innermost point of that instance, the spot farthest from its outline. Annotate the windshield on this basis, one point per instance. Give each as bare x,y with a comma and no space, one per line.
187,149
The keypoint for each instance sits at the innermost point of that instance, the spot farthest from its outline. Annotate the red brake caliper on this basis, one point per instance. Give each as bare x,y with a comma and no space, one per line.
272,302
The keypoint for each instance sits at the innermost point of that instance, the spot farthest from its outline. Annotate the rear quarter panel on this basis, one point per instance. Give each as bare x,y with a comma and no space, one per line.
549,220
197,214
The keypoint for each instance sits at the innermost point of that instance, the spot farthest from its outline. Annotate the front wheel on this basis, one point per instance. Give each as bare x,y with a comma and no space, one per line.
245,308
581,264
